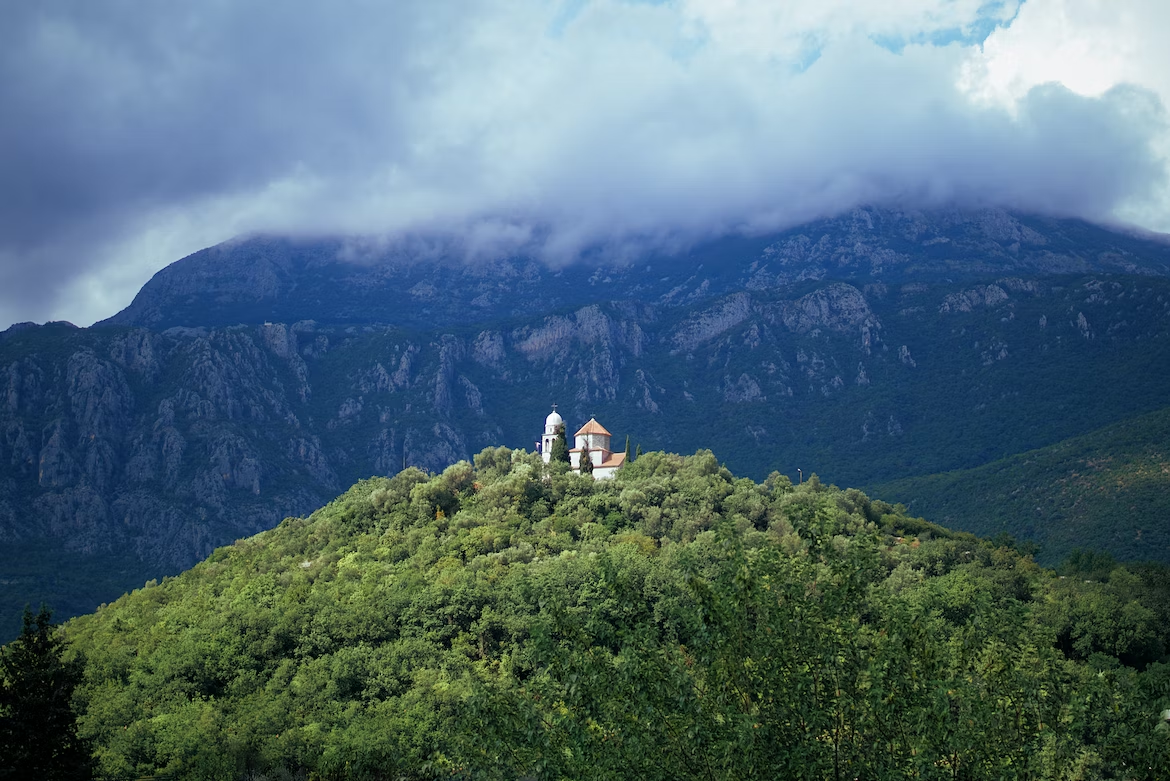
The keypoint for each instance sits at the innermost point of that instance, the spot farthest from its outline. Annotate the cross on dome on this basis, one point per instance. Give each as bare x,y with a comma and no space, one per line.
591,442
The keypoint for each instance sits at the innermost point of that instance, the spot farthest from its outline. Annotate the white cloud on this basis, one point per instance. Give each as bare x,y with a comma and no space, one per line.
796,30
1089,47
144,133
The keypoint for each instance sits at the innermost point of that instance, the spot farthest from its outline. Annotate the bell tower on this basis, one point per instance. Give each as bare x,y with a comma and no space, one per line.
551,425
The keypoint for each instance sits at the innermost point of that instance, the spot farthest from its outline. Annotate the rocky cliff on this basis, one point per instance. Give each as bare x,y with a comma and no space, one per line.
430,282
875,346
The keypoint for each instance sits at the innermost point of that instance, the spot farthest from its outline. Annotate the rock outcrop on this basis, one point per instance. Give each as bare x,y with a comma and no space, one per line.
255,380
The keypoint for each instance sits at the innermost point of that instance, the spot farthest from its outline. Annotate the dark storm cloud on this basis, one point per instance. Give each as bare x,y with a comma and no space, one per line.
135,132
113,109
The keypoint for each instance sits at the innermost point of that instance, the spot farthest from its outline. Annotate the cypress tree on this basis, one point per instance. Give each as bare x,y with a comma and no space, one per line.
38,728
586,461
638,453
560,448
629,455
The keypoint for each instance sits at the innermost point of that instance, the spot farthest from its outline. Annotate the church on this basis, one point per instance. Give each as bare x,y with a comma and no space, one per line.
592,441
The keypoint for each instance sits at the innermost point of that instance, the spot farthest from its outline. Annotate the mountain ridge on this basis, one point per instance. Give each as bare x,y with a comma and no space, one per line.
834,354
243,281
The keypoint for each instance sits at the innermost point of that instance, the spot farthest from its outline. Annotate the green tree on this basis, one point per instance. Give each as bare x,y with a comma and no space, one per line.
629,455
560,448
586,461
638,453
701,627
38,728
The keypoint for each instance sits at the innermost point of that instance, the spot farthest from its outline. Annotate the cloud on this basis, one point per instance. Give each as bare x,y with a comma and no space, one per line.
1089,47
136,133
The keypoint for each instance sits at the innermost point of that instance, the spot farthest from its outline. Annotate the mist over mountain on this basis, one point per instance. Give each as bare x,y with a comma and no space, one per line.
135,135
424,283
874,296
254,380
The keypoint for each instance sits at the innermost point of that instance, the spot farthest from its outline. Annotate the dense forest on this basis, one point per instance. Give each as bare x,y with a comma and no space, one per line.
507,619
882,349
1108,490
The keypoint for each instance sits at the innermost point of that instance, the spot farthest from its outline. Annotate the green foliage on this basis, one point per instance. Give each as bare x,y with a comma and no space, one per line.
37,571
1108,490
586,461
984,383
560,448
38,730
509,619
1088,563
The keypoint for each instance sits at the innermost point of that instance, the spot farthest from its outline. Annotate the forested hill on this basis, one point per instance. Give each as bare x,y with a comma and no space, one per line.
1108,490
505,620
257,379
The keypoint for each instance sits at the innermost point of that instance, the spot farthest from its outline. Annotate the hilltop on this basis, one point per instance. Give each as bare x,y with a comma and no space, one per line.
255,380
503,619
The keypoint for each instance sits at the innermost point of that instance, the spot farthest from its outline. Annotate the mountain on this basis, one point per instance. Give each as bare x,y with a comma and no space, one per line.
426,284
252,381
506,620
1107,490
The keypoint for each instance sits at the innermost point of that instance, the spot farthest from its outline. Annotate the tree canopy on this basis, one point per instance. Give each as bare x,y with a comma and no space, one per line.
560,448
38,732
507,618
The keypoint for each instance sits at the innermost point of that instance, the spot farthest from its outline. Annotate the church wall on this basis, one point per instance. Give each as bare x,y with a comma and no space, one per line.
598,446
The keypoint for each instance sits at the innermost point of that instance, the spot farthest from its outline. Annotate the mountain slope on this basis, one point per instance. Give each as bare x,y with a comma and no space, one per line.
1107,490
505,621
436,282
871,347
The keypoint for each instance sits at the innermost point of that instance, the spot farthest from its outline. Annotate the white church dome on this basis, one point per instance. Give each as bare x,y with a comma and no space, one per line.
553,420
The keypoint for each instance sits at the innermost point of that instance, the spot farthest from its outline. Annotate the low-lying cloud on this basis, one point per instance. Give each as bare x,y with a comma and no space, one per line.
136,133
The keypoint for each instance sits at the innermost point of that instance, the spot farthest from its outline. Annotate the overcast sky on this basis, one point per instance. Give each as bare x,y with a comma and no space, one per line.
135,132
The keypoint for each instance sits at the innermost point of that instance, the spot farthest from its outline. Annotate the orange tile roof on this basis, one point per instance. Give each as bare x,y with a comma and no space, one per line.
615,460
593,427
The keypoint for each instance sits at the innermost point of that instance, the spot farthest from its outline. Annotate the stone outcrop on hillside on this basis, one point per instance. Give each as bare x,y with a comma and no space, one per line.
163,435
428,282
169,443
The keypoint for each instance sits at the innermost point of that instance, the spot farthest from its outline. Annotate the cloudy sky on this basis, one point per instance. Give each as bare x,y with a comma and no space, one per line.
135,132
